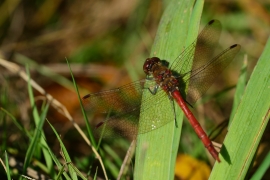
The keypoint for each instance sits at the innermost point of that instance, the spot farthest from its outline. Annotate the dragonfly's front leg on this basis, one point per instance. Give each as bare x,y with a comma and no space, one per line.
151,85
153,90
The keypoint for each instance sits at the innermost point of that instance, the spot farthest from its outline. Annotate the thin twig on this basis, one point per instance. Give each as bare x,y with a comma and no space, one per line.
14,68
3,164
127,160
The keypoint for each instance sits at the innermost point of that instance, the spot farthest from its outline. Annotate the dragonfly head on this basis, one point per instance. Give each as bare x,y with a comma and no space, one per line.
149,63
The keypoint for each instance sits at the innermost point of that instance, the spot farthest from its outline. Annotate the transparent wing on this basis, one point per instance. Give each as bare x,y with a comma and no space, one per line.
205,68
118,100
202,78
200,51
118,108
121,108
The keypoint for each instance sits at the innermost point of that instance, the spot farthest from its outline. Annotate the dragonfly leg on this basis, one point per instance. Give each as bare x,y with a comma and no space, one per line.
153,90
174,114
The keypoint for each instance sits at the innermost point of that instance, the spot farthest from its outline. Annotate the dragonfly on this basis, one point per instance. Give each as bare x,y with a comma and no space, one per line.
121,107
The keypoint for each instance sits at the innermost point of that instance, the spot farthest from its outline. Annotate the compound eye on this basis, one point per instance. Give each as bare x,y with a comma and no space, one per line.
148,64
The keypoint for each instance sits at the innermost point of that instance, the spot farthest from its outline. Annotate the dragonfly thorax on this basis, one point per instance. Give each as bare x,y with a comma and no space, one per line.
161,74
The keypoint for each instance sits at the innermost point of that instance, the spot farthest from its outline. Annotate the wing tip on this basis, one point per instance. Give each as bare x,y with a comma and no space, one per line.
211,22
99,124
86,96
214,21
235,45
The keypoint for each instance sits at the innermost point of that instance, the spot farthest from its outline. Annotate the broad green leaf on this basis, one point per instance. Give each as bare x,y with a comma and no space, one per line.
248,124
156,150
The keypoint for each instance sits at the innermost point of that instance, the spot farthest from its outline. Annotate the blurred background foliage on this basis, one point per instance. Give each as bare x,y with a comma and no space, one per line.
106,42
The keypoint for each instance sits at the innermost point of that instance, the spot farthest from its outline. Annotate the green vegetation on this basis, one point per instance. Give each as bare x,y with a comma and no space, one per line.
45,132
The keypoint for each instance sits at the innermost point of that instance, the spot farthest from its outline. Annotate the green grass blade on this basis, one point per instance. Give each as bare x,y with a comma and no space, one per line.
262,169
65,153
7,166
78,172
248,124
35,141
62,170
58,164
44,145
17,124
95,177
112,168
156,150
89,131
39,120
108,150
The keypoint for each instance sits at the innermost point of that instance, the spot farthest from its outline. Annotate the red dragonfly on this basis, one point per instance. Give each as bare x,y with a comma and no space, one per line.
122,106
